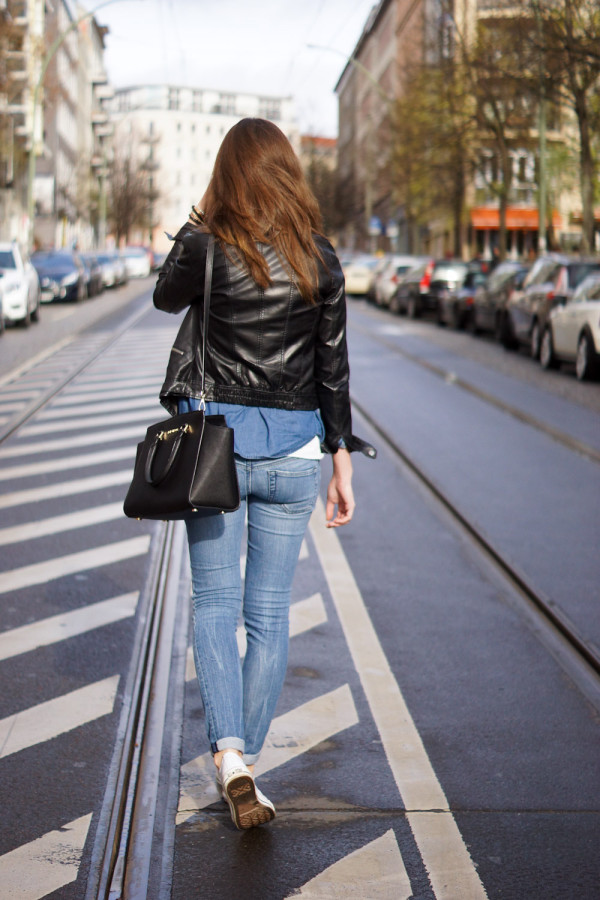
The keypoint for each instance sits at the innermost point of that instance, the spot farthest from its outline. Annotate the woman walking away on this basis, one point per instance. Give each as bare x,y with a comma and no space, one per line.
277,367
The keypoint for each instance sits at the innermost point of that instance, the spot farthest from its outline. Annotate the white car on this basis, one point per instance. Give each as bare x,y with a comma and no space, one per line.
358,274
388,279
20,285
572,333
137,262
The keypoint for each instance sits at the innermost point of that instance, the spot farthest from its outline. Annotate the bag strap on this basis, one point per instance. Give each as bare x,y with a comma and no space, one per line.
210,254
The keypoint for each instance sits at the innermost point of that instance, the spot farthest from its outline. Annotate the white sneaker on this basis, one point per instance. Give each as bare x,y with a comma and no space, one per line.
248,805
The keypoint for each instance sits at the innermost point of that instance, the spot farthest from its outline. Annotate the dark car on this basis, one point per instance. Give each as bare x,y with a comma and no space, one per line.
447,277
61,273
488,311
409,296
550,281
455,302
93,274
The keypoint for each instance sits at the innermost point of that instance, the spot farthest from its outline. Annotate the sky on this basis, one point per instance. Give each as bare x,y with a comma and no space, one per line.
253,46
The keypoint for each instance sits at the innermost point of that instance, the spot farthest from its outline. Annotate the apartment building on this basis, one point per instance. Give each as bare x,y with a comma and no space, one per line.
401,38
173,133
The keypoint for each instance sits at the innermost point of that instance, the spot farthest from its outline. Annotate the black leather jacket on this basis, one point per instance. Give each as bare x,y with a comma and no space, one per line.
264,347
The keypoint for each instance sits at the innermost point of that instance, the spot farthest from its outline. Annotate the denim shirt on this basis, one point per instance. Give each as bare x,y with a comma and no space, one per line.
261,432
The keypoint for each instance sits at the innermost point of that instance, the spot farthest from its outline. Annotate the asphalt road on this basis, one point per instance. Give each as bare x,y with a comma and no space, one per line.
434,738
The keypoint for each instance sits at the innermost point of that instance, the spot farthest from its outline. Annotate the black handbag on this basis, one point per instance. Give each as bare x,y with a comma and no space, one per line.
185,466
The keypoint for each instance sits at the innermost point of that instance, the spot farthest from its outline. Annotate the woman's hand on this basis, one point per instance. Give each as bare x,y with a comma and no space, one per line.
339,491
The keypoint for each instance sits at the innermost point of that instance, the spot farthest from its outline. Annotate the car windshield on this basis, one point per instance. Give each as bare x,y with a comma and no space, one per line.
53,260
579,271
7,260
474,279
449,272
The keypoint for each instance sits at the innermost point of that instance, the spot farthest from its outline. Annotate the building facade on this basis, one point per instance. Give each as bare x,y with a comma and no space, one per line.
400,39
173,133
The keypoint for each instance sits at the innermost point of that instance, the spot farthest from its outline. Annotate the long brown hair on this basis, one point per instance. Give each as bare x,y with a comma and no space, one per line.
258,193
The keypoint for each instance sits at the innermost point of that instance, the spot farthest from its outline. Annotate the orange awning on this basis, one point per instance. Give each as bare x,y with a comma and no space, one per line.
517,218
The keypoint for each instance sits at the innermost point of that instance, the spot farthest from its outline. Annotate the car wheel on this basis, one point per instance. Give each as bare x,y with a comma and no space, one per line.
457,319
35,312
585,361
535,340
547,357
2,324
506,336
412,308
25,322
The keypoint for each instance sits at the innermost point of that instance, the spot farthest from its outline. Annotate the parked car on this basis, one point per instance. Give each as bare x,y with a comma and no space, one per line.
409,296
455,302
20,285
378,268
108,267
121,276
94,283
572,332
488,310
387,279
358,273
62,275
137,262
551,280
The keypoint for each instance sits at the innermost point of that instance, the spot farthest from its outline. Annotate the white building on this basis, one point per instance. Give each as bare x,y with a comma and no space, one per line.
175,133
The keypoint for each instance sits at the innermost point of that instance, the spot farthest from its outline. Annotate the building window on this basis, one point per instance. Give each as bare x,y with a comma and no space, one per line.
227,104
270,108
173,98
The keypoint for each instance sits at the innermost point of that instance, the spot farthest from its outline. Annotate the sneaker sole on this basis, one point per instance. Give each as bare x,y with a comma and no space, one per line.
246,809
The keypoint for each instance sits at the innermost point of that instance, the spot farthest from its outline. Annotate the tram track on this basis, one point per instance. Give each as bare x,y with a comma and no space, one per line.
545,608
122,861
450,377
121,853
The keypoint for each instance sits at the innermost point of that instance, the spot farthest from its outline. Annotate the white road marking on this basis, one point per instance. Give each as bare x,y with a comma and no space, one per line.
451,870
65,488
81,440
82,518
375,871
290,735
129,403
68,462
45,865
57,716
73,398
66,625
136,415
40,573
304,615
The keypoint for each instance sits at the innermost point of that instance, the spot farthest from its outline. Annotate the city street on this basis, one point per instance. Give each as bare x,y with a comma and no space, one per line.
438,732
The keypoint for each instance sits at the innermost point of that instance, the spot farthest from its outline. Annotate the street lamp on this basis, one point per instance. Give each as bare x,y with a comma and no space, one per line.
56,44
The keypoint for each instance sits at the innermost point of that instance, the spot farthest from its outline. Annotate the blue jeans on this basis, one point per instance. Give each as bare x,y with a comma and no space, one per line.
240,698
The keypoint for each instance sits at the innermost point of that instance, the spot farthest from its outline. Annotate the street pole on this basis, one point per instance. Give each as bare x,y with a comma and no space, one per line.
54,47
542,178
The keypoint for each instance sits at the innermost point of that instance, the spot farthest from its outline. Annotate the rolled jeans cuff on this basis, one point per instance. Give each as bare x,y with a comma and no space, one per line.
228,743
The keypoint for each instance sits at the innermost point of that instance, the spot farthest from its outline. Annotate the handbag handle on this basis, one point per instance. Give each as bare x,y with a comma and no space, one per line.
210,255
161,436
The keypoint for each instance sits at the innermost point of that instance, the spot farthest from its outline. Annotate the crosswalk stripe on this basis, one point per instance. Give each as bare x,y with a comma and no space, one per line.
436,834
60,566
304,615
96,408
72,399
375,871
57,716
68,462
290,735
136,415
65,489
56,524
81,440
66,625
45,865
